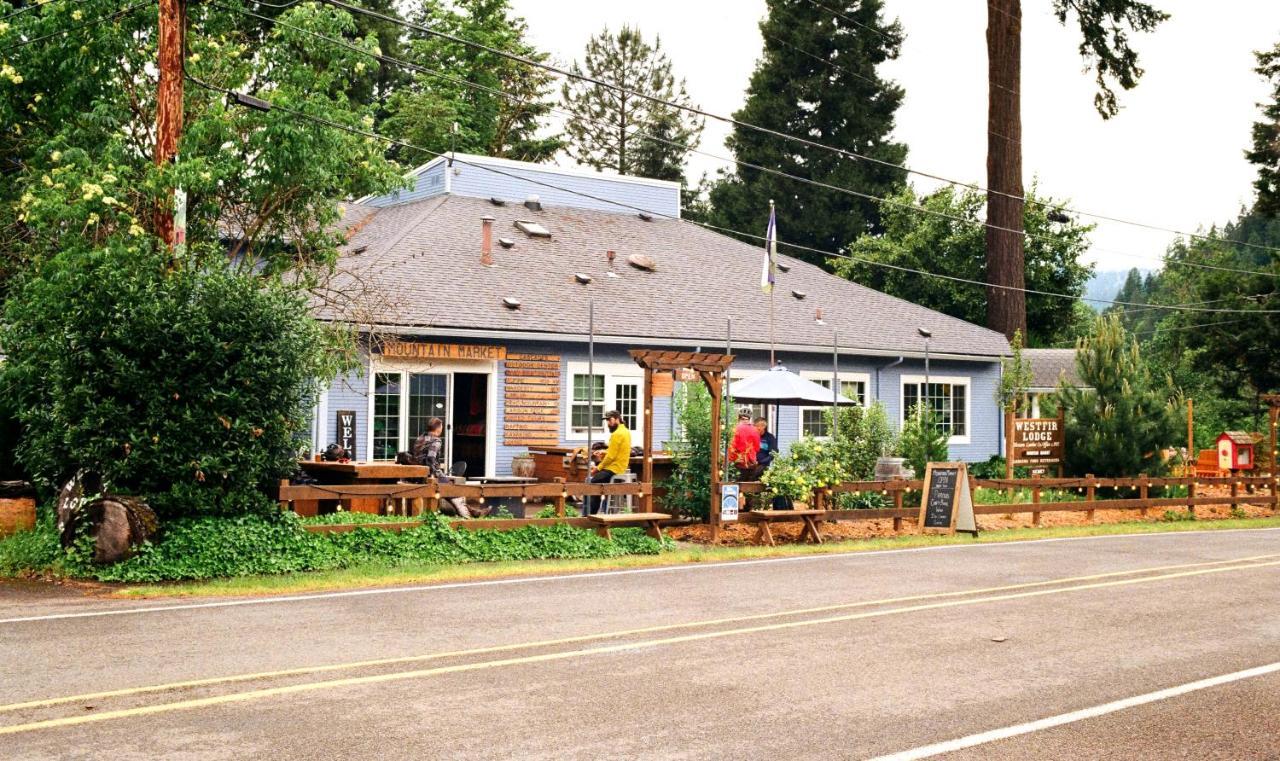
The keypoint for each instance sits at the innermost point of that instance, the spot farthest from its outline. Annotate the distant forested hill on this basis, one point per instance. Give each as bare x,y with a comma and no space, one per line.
1105,284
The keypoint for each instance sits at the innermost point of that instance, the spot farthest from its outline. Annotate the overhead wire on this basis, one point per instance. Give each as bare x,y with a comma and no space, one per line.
698,151
121,13
621,204
733,121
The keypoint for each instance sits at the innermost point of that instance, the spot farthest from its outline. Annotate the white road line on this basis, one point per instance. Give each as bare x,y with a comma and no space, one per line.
982,738
712,566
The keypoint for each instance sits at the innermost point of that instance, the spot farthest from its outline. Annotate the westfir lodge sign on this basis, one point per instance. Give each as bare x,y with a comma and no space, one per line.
1037,441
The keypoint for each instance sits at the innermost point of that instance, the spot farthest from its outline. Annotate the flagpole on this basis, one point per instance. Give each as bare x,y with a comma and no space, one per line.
771,245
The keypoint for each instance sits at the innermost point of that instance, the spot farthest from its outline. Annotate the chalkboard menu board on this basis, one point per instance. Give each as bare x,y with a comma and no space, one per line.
947,505
940,496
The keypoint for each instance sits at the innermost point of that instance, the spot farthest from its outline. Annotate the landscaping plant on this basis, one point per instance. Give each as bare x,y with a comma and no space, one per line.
922,440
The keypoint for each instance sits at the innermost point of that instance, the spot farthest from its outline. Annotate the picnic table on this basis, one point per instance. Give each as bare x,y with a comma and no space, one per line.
763,519
339,473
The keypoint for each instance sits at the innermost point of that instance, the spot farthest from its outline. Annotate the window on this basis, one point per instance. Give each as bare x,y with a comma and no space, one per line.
815,421
386,416
588,402
948,398
428,398
613,387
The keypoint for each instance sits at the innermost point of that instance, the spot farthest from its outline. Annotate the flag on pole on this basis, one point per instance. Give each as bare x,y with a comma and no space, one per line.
770,251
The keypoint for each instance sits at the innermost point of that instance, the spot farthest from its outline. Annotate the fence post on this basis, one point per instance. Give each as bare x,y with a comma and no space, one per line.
1090,496
1035,500
1191,495
1142,493
819,501
1235,496
432,503
561,499
897,505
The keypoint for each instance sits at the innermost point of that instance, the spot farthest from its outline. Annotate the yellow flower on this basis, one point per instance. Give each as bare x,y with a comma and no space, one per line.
93,219
47,180
77,14
56,156
109,201
194,58
135,228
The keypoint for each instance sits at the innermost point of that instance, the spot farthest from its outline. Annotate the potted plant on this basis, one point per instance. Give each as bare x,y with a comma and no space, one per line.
522,465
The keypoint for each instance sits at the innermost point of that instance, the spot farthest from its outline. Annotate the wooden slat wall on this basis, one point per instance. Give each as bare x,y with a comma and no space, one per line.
531,415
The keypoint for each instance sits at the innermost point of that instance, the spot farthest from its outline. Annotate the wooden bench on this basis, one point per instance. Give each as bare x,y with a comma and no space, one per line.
763,518
1207,464
652,522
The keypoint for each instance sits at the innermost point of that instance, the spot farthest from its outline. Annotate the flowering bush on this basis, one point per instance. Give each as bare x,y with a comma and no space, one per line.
810,464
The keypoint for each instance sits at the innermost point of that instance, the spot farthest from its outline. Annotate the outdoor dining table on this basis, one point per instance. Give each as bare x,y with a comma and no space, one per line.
338,473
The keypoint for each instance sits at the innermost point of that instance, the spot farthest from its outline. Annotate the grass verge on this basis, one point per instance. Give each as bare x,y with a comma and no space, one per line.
385,574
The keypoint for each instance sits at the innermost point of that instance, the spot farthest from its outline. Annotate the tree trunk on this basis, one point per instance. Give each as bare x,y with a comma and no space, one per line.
1006,308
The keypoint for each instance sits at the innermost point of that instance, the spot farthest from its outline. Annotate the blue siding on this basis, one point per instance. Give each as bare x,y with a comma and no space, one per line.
429,183
351,393
516,183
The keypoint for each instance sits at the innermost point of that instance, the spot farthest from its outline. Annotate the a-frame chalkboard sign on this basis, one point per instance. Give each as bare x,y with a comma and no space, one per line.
947,504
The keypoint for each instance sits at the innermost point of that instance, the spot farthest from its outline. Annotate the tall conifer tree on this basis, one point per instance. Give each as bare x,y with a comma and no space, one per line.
1265,152
816,79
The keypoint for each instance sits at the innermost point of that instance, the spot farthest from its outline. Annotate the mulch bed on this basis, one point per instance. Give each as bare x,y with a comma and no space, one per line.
744,534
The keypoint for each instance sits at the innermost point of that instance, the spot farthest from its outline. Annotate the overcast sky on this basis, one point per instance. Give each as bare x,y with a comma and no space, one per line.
1172,158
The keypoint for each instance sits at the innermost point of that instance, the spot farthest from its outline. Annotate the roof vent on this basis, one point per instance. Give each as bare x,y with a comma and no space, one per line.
817,316
506,242
799,295
642,262
783,267
532,229
497,201
511,303
582,277
533,203
646,216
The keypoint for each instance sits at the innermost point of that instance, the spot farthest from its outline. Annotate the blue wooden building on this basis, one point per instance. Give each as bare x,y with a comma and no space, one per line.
471,291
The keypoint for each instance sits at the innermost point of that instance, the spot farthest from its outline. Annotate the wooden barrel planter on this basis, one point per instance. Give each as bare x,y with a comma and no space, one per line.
17,508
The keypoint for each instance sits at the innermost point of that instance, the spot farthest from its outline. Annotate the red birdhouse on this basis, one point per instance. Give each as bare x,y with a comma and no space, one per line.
1235,451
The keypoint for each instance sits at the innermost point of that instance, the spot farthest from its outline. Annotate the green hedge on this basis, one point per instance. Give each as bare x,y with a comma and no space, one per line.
208,548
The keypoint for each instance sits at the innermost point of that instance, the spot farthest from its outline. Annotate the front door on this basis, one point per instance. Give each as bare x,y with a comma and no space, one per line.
428,398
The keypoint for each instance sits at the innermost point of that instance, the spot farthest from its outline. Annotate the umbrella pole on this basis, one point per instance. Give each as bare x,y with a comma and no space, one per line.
835,382
591,383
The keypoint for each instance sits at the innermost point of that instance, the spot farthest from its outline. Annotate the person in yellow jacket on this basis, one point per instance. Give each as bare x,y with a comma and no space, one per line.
617,456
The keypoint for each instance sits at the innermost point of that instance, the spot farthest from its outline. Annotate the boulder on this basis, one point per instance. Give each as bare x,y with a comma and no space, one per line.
117,525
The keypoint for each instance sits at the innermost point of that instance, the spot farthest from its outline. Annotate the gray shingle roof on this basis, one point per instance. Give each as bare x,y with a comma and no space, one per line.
422,266
1049,365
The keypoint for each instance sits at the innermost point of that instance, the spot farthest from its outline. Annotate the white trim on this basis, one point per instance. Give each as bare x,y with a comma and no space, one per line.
467,158
821,375
322,412
613,372
954,380
651,341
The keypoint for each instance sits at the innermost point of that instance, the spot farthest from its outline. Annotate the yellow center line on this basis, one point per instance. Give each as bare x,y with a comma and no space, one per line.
239,697
211,681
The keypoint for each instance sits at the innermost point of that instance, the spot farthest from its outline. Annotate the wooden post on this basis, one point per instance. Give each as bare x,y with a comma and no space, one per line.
819,499
432,503
714,386
1035,500
1189,463
1090,495
560,499
1235,495
1191,495
1142,493
897,505
1275,454
1008,450
647,468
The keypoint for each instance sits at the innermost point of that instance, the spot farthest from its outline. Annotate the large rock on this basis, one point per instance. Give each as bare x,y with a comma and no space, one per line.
117,523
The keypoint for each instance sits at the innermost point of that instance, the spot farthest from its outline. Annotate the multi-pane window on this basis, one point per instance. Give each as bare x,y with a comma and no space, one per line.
610,388
587,406
816,421
626,399
386,415
428,398
947,400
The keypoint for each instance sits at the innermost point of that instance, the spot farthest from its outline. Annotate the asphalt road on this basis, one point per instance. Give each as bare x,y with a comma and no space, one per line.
956,649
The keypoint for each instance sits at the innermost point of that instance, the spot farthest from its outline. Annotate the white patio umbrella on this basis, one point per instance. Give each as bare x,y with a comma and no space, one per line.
781,386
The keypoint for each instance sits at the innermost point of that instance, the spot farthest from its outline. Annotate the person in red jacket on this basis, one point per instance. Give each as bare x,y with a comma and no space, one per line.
745,447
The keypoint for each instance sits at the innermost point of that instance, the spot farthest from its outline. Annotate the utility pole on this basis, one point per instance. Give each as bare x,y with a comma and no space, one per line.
172,31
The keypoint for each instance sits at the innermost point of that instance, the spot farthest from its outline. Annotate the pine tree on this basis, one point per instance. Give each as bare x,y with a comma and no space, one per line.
1104,27
816,79
1119,424
489,122
621,125
1265,152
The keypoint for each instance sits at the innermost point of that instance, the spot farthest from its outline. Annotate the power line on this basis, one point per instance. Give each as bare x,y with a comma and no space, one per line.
438,154
769,131
855,22
91,22
692,149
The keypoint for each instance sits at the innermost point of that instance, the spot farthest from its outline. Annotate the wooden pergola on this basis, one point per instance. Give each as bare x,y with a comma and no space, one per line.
711,368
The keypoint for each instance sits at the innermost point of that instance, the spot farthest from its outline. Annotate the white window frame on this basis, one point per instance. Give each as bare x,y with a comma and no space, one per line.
819,375
954,380
614,373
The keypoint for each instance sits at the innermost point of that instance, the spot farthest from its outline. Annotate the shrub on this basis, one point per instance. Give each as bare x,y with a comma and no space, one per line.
215,547
689,487
922,440
861,438
809,464
34,551
187,386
